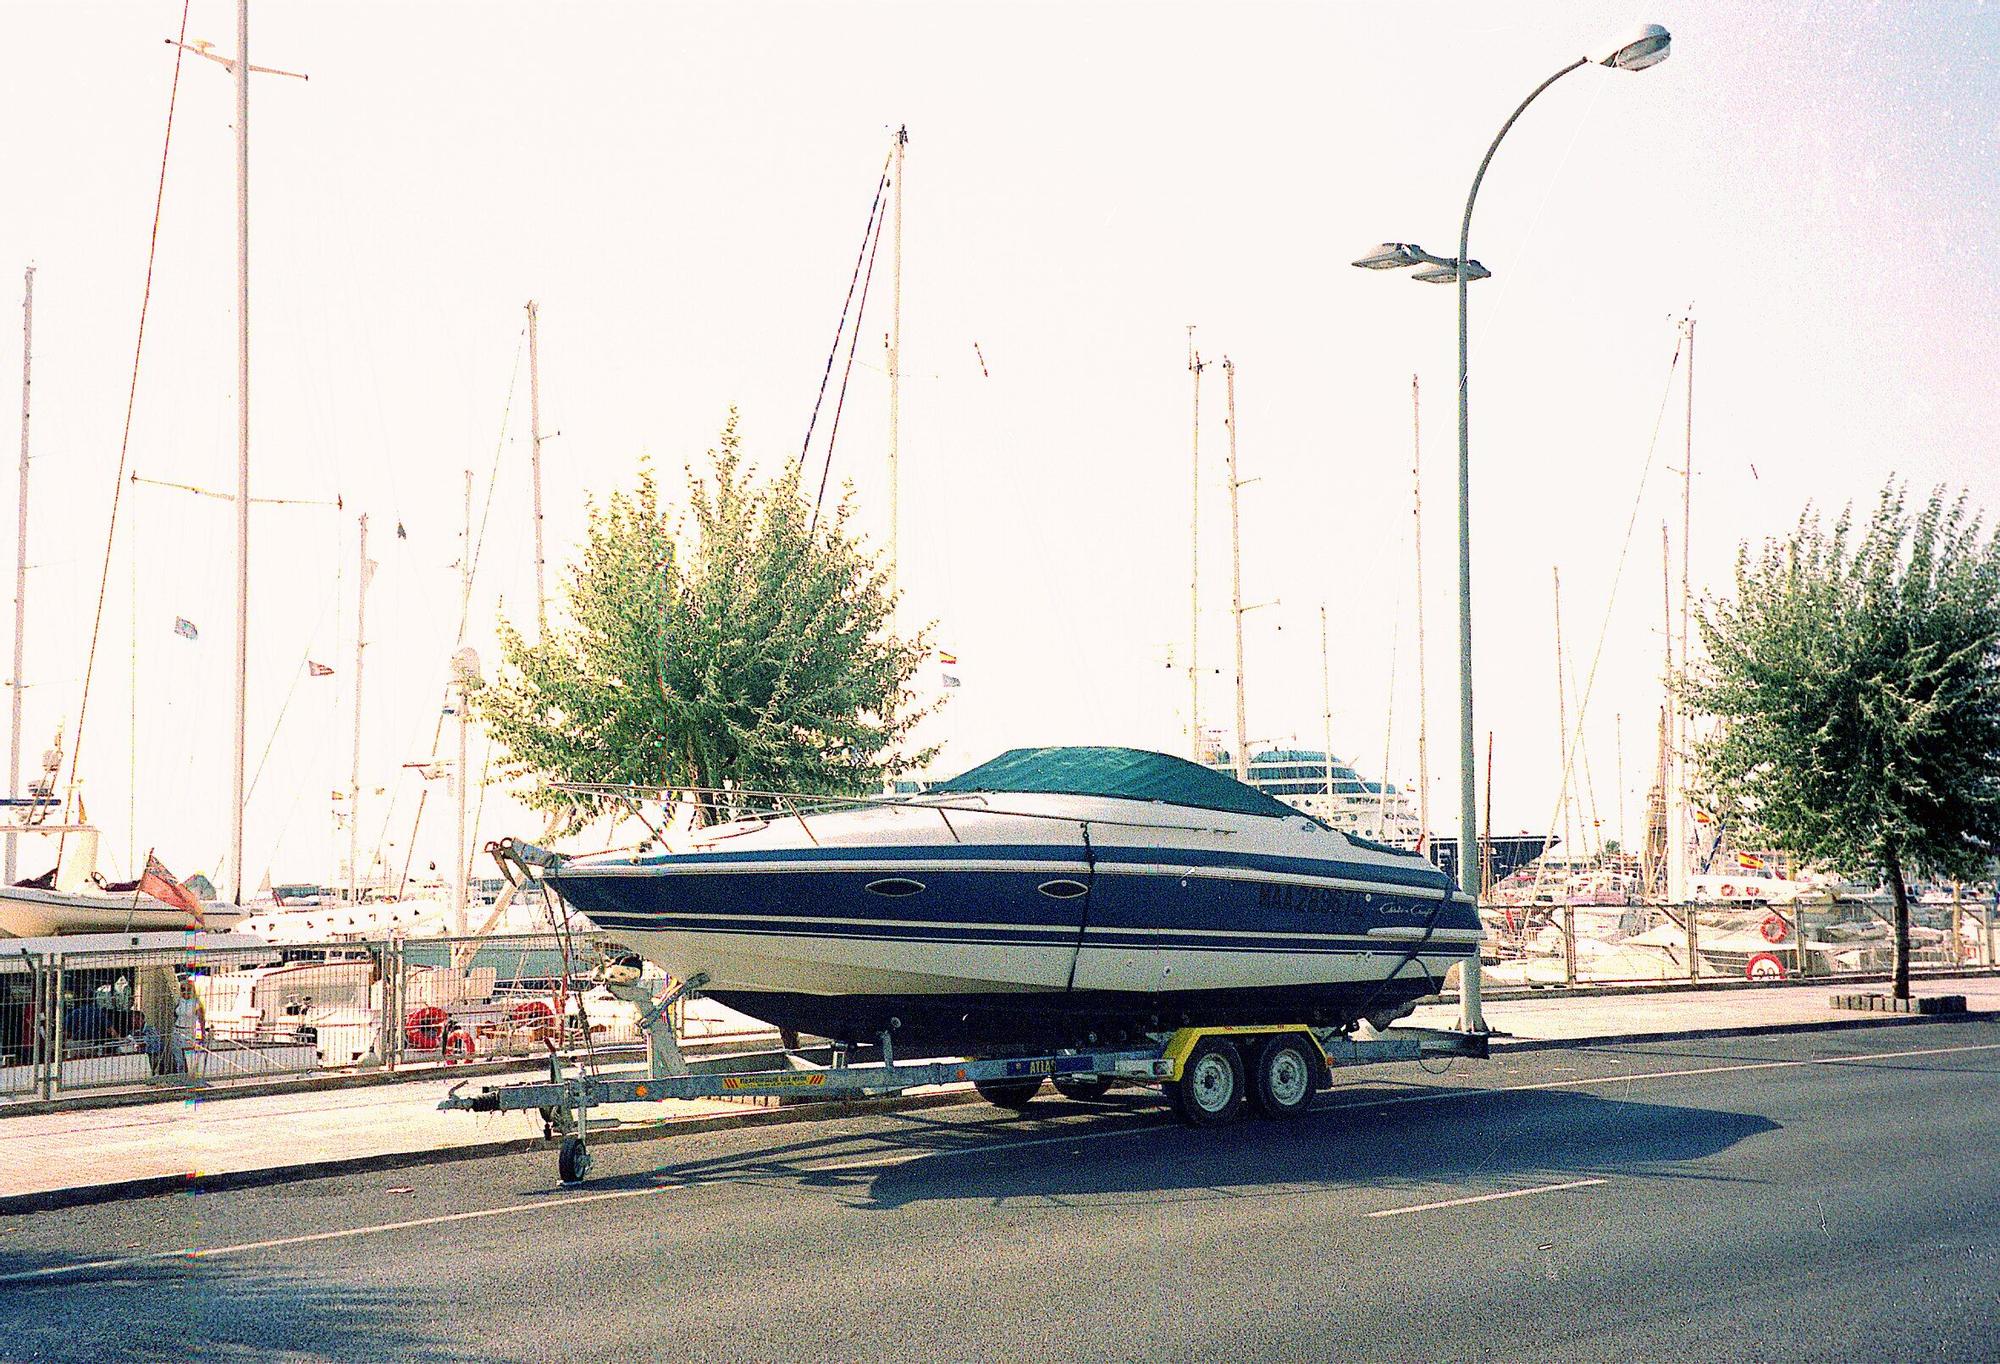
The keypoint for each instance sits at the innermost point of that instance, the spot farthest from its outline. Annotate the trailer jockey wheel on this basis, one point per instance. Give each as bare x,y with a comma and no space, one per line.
1210,1090
1014,1094
573,1163
1283,1076
1082,1090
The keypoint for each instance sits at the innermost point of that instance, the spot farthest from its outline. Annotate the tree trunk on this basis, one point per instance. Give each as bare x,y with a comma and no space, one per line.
1894,866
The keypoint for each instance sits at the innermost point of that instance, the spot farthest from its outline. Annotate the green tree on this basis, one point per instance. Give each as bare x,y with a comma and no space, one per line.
1856,679
729,642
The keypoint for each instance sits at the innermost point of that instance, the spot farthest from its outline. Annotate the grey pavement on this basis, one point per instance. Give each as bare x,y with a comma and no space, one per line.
1804,1196
205,1138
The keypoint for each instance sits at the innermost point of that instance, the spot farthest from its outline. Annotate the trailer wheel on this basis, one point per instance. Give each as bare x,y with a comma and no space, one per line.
573,1162
1283,1077
1082,1090
1014,1094
1210,1090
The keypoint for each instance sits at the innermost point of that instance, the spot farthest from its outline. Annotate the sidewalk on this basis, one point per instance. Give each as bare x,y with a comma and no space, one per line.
92,1155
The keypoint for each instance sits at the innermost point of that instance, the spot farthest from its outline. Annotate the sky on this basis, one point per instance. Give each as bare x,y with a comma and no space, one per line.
683,189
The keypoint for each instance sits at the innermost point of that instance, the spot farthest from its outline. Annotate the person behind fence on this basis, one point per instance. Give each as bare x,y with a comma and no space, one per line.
190,1030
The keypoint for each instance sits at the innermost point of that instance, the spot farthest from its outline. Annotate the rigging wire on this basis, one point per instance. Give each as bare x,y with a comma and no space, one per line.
872,230
1611,600
465,609
131,400
840,403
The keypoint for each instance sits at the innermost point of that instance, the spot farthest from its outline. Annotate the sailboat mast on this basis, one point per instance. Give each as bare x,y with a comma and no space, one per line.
1236,573
366,570
1194,558
21,562
461,903
535,466
1423,701
896,358
1326,715
237,795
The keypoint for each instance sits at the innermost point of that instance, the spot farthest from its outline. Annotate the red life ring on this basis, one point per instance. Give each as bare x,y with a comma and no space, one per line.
1728,891
1764,966
536,1015
458,1045
1774,928
423,1028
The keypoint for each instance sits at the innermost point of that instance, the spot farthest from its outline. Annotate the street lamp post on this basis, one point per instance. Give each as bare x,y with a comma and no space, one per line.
1644,47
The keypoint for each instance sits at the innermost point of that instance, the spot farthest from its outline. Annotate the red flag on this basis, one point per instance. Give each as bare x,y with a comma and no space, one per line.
159,883
318,669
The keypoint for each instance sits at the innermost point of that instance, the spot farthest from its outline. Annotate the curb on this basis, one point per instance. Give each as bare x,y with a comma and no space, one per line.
153,1186
1501,1046
312,1083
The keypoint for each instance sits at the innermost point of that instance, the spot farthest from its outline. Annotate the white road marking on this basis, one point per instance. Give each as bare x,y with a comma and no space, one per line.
1487,1197
575,1200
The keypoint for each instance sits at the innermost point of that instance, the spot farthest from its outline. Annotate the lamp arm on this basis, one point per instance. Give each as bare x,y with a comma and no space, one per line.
1465,227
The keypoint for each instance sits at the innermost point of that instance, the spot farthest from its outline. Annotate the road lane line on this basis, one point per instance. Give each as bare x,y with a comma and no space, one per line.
574,1200
213,1252
1487,1197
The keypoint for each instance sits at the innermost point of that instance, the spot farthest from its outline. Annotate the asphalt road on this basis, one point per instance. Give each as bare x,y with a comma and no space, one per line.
1816,1196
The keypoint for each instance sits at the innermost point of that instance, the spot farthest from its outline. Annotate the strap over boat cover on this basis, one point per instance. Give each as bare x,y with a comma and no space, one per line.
1121,773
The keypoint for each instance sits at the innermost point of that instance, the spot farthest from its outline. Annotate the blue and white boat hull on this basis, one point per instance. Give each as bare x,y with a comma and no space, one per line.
1034,920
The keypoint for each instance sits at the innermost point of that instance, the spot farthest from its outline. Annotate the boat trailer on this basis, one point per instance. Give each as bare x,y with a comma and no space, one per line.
1208,1074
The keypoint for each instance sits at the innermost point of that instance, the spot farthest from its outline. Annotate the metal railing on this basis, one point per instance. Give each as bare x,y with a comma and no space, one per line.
97,1019
1581,944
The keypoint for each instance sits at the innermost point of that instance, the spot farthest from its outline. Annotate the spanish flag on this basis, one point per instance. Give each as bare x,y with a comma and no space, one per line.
947,658
1749,861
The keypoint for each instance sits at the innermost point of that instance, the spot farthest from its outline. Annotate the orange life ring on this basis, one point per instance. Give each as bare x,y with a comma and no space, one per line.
423,1028
1764,966
1774,928
1728,891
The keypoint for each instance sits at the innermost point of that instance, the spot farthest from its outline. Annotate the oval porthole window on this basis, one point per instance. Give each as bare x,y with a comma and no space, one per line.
1063,890
895,886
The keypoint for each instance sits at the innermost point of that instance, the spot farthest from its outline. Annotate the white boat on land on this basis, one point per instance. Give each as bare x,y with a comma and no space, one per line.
1051,897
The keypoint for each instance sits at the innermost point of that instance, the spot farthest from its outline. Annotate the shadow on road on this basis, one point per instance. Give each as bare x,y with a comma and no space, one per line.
1126,1149
1530,1137
181,1309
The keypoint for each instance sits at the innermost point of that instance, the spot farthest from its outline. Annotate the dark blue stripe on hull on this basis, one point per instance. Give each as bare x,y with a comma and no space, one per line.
997,1024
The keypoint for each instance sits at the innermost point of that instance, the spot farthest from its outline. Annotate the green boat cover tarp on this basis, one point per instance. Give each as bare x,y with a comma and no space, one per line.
1123,773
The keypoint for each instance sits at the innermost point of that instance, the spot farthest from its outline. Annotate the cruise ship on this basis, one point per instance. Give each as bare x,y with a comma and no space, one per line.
1367,809
1300,778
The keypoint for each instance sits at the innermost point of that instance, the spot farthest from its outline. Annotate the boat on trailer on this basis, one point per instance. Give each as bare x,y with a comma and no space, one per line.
1053,897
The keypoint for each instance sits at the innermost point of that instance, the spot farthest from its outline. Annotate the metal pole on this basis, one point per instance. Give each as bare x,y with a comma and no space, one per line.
1423,671
1470,1016
1236,574
896,361
354,769
1562,757
461,890
237,794
1326,699
1194,559
21,564
535,465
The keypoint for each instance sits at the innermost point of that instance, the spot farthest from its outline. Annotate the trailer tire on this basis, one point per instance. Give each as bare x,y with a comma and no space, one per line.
1082,1090
1284,1074
573,1161
1014,1094
1210,1090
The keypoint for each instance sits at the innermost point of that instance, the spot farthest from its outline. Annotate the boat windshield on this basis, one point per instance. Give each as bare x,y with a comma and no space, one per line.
1119,773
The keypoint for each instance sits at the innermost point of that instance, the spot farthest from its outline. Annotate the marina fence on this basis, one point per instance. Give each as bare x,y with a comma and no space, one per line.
77,1021
1585,944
